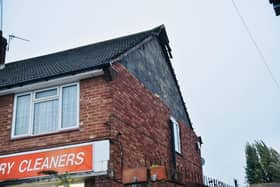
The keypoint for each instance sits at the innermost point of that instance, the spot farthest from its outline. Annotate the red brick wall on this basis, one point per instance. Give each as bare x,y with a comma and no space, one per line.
95,104
6,110
123,110
189,163
142,121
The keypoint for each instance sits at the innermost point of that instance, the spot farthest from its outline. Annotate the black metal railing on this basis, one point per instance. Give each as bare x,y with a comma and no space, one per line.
211,182
164,184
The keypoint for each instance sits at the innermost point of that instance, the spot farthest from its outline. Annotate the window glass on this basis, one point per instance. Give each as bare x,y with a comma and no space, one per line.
22,117
177,137
47,93
45,117
46,111
69,106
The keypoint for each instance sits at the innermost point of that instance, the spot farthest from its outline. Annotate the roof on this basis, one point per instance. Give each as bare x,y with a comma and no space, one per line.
81,59
73,61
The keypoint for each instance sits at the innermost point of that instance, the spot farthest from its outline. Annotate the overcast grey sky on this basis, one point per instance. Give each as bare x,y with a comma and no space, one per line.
229,94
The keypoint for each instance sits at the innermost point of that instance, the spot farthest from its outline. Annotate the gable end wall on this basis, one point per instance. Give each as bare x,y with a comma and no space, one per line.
149,65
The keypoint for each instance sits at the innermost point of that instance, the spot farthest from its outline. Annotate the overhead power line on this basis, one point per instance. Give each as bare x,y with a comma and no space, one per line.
262,57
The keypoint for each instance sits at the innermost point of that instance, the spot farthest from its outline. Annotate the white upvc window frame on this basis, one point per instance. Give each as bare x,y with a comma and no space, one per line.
33,101
14,114
176,135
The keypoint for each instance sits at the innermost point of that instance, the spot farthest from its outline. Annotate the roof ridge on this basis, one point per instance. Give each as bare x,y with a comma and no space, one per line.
76,59
155,31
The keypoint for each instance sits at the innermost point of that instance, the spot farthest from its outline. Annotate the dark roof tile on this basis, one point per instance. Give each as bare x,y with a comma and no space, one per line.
70,61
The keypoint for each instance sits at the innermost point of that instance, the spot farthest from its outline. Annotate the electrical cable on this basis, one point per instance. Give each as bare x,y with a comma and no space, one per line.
263,59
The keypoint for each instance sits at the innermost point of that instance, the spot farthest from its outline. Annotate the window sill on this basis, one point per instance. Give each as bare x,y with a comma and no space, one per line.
46,134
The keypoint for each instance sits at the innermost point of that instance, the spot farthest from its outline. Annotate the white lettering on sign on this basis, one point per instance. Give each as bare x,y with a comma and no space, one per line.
54,162
80,158
38,164
45,163
62,160
22,166
72,158
5,168
59,161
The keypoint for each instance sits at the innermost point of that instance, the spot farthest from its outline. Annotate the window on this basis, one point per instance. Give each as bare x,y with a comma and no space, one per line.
198,146
46,111
176,135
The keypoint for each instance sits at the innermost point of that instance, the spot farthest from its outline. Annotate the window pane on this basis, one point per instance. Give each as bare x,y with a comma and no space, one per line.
47,93
45,117
177,138
69,106
22,114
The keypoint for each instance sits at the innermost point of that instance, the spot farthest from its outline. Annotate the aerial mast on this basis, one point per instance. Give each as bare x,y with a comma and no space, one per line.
3,41
1,15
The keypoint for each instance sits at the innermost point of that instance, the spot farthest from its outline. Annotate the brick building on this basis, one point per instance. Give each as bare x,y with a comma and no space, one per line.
106,114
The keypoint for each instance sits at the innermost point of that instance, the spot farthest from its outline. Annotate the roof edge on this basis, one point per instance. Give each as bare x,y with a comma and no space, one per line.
155,31
52,82
51,78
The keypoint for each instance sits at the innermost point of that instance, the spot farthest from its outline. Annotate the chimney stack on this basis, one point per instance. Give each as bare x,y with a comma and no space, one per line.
3,45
